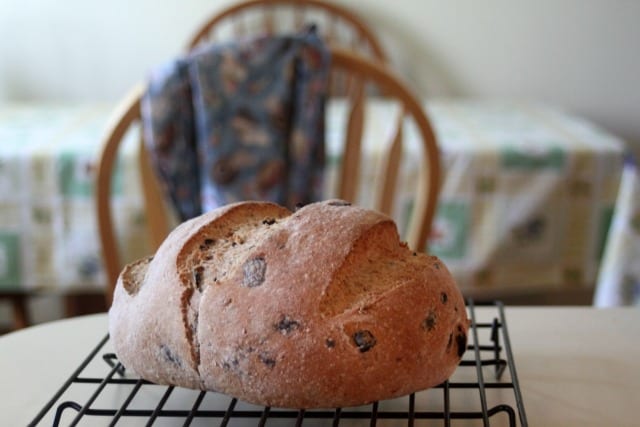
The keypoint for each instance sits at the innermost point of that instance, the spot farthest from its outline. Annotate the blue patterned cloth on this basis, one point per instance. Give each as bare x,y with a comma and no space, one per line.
240,121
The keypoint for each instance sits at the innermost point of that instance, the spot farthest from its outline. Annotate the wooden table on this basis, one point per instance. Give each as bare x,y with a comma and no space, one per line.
575,366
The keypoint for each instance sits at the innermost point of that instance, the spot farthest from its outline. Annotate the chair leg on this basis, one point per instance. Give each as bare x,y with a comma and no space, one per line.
20,313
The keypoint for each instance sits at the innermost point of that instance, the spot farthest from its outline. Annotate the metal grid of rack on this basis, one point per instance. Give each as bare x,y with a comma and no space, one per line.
484,390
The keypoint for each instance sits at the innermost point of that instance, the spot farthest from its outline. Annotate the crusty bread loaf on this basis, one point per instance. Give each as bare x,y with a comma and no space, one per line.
323,307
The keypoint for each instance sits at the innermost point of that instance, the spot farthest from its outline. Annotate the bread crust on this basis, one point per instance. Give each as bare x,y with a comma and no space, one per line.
323,307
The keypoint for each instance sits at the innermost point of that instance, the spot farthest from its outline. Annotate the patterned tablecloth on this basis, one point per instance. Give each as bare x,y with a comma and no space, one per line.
528,195
48,232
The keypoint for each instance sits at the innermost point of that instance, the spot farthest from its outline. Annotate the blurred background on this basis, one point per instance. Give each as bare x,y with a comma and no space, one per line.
580,56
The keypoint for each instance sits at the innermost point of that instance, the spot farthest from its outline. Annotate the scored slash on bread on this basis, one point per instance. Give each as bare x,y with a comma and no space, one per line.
322,307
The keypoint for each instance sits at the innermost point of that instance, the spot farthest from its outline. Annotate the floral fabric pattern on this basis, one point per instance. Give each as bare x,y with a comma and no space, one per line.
240,121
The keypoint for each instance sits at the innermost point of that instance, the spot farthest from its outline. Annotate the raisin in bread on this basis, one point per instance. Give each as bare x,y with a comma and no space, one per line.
324,307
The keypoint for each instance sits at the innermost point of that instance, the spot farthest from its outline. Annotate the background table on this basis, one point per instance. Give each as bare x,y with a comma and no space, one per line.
527,199
48,232
528,192
576,366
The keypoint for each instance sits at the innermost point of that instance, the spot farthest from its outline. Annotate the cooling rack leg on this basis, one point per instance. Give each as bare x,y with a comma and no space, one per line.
61,408
495,338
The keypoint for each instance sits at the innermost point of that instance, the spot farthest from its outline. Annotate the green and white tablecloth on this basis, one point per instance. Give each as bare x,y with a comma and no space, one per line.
48,233
528,193
619,276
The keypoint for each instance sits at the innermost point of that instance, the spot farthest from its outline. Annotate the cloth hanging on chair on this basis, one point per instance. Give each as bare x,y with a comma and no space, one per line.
240,121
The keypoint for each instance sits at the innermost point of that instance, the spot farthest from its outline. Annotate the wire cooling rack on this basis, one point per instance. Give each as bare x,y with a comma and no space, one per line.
484,390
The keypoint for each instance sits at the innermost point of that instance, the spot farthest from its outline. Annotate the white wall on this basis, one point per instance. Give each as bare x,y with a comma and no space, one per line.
582,55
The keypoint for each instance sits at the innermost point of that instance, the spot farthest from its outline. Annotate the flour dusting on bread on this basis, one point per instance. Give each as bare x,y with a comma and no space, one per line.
322,307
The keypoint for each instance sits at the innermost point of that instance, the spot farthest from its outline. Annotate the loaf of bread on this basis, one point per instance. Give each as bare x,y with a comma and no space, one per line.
317,308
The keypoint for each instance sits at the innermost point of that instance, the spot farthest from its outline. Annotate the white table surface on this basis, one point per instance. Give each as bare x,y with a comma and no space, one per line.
576,366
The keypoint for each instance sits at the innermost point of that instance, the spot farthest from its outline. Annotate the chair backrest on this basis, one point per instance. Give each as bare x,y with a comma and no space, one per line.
338,26
410,117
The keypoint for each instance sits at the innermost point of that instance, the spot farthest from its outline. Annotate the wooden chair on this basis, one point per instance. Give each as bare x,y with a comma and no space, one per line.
338,26
364,73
